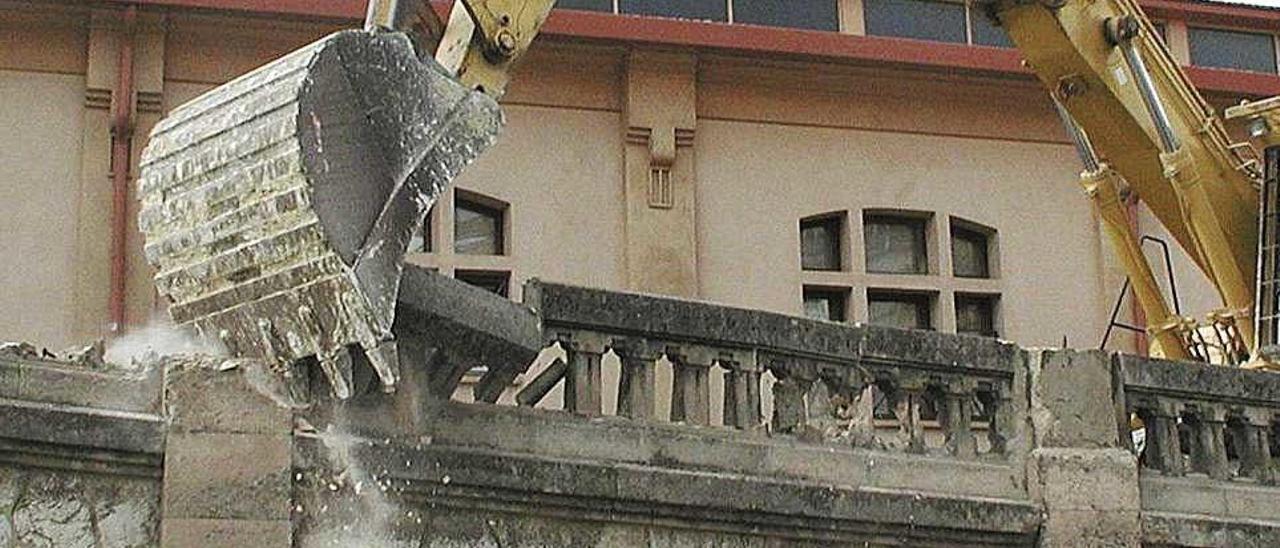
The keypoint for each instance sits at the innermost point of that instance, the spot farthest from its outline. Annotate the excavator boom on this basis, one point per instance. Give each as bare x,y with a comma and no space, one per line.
1106,65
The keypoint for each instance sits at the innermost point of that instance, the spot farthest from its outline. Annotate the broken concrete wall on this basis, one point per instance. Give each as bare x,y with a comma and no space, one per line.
80,454
40,508
996,445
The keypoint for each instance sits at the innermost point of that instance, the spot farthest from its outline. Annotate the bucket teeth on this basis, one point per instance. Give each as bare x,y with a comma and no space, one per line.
336,366
277,208
385,358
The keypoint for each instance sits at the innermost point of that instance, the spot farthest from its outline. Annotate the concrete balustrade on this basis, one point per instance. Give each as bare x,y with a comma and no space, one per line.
826,434
823,373
1202,420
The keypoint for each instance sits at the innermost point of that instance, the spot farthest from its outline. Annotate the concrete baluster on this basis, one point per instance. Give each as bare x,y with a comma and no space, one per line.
582,386
908,396
741,390
1209,448
636,398
1000,417
956,418
691,395
1164,448
1253,444
790,412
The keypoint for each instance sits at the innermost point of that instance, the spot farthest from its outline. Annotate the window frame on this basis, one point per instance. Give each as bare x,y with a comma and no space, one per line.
840,230
427,233
471,276
921,219
841,294
488,207
990,301
965,34
989,241
925,302
613,7
972,11
838,21
1274,49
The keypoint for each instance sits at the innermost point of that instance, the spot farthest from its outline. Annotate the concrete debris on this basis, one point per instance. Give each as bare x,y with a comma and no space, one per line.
92,356
22,351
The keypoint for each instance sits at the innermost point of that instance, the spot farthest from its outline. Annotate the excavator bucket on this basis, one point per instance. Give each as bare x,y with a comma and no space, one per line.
277,209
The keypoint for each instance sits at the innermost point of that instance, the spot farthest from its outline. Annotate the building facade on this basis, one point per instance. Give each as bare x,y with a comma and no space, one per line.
883,161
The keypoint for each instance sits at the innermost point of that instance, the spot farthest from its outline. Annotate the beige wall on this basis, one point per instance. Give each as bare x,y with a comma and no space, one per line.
559,170
758,180
775,140
40,128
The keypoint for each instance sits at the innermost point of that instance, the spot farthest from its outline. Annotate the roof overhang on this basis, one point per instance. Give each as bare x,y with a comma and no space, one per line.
797,43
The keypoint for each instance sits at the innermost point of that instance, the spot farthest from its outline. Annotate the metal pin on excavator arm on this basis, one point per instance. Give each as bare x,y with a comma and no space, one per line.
278,208
479,44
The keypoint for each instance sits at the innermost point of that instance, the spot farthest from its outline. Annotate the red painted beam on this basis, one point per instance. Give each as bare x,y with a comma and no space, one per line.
337,9
757,40
1256,84
773,40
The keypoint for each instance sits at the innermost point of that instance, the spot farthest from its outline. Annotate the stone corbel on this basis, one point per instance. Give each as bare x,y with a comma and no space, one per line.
662,143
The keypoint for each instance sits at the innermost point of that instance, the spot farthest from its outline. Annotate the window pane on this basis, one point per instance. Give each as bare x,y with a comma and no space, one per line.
477,229
820,244
920,19
421,241
976,315
1233,50
1162,29
825,304
969,254
590,5
902,311
714,10
895,245
805,14
985,31
496,282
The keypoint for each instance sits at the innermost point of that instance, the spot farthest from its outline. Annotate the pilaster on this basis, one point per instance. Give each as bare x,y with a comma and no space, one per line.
92,283
1078,470
660,176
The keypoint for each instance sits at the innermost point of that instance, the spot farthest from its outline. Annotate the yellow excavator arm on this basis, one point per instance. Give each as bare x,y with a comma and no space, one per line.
479,44
1107,67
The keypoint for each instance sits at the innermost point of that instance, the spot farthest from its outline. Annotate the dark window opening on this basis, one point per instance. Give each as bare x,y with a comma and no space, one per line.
1162,29
478,228
820,243
496,282
919,19
901,310
710,10
976,315
986,32
970,253
804,14
423,240
586,5
1232,50
896,244
826,304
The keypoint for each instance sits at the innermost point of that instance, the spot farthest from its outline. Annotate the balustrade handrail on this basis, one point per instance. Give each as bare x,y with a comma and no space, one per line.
1197,417
673,320
830,380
